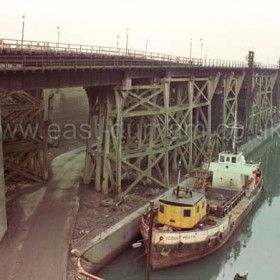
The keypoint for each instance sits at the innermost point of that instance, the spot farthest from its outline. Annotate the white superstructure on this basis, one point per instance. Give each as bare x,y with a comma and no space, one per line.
232,171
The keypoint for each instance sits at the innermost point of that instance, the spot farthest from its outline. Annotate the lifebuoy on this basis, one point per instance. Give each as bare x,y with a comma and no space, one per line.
208,241
180,246
219,236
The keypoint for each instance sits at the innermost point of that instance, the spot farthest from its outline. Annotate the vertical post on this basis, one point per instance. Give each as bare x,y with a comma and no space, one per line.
277,96
206,57
201,48
149,242
58,35
151,144
46,98
126,47
166,132
226,82
118,37
107,144
22,31
45,150
140,128
190,48
190,124
209,115
3,215
118,148
248,93
268,88
88,160
99,144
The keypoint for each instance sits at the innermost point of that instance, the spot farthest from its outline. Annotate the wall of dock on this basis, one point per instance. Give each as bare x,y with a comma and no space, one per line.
251,145
3,215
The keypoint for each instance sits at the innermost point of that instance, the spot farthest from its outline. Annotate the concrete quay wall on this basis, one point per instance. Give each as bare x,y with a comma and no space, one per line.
3,215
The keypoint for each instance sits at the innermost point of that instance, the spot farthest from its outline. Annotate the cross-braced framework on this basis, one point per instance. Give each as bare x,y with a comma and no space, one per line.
231,84
24,136
144,131
261,114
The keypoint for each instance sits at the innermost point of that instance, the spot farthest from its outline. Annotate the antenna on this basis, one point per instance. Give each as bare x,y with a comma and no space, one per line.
234,127
179,172
179,179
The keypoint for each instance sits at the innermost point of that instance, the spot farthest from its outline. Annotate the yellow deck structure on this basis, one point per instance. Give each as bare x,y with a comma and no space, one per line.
181,211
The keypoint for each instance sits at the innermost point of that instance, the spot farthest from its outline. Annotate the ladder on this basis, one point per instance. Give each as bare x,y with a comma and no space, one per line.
202,173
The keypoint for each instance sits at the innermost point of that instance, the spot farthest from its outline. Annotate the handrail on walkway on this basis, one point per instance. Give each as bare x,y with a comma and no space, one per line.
62,48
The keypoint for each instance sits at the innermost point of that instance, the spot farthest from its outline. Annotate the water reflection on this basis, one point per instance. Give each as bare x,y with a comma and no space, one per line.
254,247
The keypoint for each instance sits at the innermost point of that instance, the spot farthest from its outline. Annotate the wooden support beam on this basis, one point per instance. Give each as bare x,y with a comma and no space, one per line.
119,133
101,117
24,126
166,132
89,166
107,171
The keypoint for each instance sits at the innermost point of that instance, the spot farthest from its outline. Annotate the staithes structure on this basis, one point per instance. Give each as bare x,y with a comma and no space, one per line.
149,110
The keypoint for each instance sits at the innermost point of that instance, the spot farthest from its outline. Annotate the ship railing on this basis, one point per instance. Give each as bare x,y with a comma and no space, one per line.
230,204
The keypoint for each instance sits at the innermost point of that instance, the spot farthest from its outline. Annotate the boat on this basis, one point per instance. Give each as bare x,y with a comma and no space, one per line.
191,222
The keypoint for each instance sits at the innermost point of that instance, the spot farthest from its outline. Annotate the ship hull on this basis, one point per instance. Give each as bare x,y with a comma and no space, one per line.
172,249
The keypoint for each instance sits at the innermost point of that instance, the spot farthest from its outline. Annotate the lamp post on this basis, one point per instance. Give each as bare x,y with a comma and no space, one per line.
126,48
191,48
58,34
267,62
22,30
118,38
201,47
147,46
206,50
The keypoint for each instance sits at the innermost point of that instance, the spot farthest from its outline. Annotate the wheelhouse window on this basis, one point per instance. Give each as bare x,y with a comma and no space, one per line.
233,159
197,209
187,213
222,159
203,204
161,209
228,159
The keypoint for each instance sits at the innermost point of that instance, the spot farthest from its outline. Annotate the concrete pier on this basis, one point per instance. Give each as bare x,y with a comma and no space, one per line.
3,216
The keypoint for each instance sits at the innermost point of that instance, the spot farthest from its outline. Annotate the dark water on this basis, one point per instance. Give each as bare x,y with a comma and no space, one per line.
255,247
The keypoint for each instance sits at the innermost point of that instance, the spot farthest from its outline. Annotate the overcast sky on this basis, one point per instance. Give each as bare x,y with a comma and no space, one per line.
228,28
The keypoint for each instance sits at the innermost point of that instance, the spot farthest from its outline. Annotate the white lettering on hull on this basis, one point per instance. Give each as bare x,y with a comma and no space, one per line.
170,238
